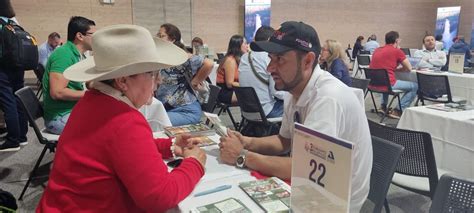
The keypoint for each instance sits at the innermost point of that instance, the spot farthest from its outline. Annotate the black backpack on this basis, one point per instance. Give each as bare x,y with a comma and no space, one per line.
7,202
18,49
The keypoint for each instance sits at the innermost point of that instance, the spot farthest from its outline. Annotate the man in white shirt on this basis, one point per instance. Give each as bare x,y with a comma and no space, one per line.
255,75
317,100
430,57
45,49
371,44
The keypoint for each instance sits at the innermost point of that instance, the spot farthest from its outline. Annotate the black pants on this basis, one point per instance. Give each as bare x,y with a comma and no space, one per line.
12,80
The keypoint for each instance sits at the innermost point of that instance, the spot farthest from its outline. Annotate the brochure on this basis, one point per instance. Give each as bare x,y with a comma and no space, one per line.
193,129
231,205
271,194
220,128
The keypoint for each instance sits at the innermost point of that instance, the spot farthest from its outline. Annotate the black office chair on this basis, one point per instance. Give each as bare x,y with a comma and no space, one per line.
434,88
212,101
385,159
453,195
380,83
253,116
416,171
34,110
360,83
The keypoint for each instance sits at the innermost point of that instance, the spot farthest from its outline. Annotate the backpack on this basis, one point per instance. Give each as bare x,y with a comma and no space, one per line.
7,202
18,48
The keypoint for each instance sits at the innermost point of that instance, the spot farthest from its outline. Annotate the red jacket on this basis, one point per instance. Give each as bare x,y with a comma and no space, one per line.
108,161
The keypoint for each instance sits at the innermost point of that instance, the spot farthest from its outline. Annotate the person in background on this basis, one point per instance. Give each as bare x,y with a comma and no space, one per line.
332,60
318,100
357,46
460,46
11,80
175,92
371,44
439,43
197,42
430,56
45,49
228,70
61,94
389,57
107,159
270,98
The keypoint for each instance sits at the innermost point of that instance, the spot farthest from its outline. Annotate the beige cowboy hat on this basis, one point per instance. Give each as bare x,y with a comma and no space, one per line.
124,50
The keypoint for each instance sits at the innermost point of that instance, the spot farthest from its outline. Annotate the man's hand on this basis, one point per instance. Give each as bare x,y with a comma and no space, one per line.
244,140
230,147
184,141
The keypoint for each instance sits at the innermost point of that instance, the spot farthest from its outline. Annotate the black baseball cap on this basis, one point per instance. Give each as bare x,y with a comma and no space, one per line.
292,35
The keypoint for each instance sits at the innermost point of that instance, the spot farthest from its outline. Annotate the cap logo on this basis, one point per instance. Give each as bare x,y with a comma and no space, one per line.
304,43
279,35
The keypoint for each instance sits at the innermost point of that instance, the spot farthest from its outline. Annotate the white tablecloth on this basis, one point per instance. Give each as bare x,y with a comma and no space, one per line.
156,115
452,134
462,85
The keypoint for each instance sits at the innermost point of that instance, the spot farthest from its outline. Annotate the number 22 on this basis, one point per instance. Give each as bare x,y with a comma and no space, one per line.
321,168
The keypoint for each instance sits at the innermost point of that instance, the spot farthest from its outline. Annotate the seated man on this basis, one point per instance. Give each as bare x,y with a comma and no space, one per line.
45,49
271,100
460,46
430,56
371,44
60,94
389,57
321,101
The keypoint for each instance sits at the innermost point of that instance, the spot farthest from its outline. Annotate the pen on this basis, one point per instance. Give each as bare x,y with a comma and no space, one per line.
210,191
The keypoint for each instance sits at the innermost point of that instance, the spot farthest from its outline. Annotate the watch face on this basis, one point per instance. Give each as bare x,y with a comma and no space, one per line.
240,160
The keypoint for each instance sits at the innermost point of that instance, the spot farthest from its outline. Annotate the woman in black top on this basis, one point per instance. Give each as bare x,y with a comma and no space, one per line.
357,46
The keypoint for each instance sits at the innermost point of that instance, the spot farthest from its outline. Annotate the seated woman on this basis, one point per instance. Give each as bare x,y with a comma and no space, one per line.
107,159
228,70
176,92
331,59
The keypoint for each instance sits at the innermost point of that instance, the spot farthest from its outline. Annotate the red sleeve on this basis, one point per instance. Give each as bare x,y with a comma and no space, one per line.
140,167
400,56
163,145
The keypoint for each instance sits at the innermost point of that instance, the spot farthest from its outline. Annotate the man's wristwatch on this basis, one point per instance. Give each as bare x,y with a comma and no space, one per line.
240,162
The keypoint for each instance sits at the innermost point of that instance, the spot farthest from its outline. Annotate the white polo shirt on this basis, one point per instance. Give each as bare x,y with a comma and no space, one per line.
329,106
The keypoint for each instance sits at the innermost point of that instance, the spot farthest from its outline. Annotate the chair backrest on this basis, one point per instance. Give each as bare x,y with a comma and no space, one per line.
432,87
360,83
385,158
364,52
250,106
453,195
212,101
418,158
349,54
33,109
363,60
39,72
379,80
406,51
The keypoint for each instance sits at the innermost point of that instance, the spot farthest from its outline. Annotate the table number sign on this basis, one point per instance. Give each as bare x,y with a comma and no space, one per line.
456,62
321,172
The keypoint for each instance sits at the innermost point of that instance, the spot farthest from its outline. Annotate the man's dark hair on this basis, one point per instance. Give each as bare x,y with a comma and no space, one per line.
264,33
439,37
54,35
6,9
426,35
391,37
300,54
78,24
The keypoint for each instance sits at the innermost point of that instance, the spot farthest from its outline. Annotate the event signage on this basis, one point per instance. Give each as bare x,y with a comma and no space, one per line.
257,14
321,172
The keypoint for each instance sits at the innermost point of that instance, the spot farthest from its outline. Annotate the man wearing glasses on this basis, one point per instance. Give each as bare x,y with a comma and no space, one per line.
317,100
60,94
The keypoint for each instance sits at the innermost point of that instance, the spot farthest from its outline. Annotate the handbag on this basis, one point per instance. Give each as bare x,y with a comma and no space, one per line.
203,91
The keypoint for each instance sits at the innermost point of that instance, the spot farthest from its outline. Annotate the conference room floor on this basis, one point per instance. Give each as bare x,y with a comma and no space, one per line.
16,166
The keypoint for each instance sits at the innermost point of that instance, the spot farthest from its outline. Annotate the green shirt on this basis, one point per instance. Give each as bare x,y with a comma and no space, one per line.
62,58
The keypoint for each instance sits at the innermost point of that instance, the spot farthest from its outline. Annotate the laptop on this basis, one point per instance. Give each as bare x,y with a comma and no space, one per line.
456,63
415,62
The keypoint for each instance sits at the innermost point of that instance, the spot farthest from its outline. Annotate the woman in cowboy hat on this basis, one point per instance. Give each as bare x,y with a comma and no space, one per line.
107,159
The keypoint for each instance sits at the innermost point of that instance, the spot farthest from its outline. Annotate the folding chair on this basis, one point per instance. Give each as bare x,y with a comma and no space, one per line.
380,83
212,101
252,112
363,62
416,171
385,159
434,88
453,195
34,110
39,72
360,83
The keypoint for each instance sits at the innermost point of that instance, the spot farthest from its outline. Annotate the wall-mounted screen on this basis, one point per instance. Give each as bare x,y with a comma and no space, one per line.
447,23
257,14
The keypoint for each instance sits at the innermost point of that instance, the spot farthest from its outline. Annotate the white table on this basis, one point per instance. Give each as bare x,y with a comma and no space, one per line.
452,134
217,174
462,85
